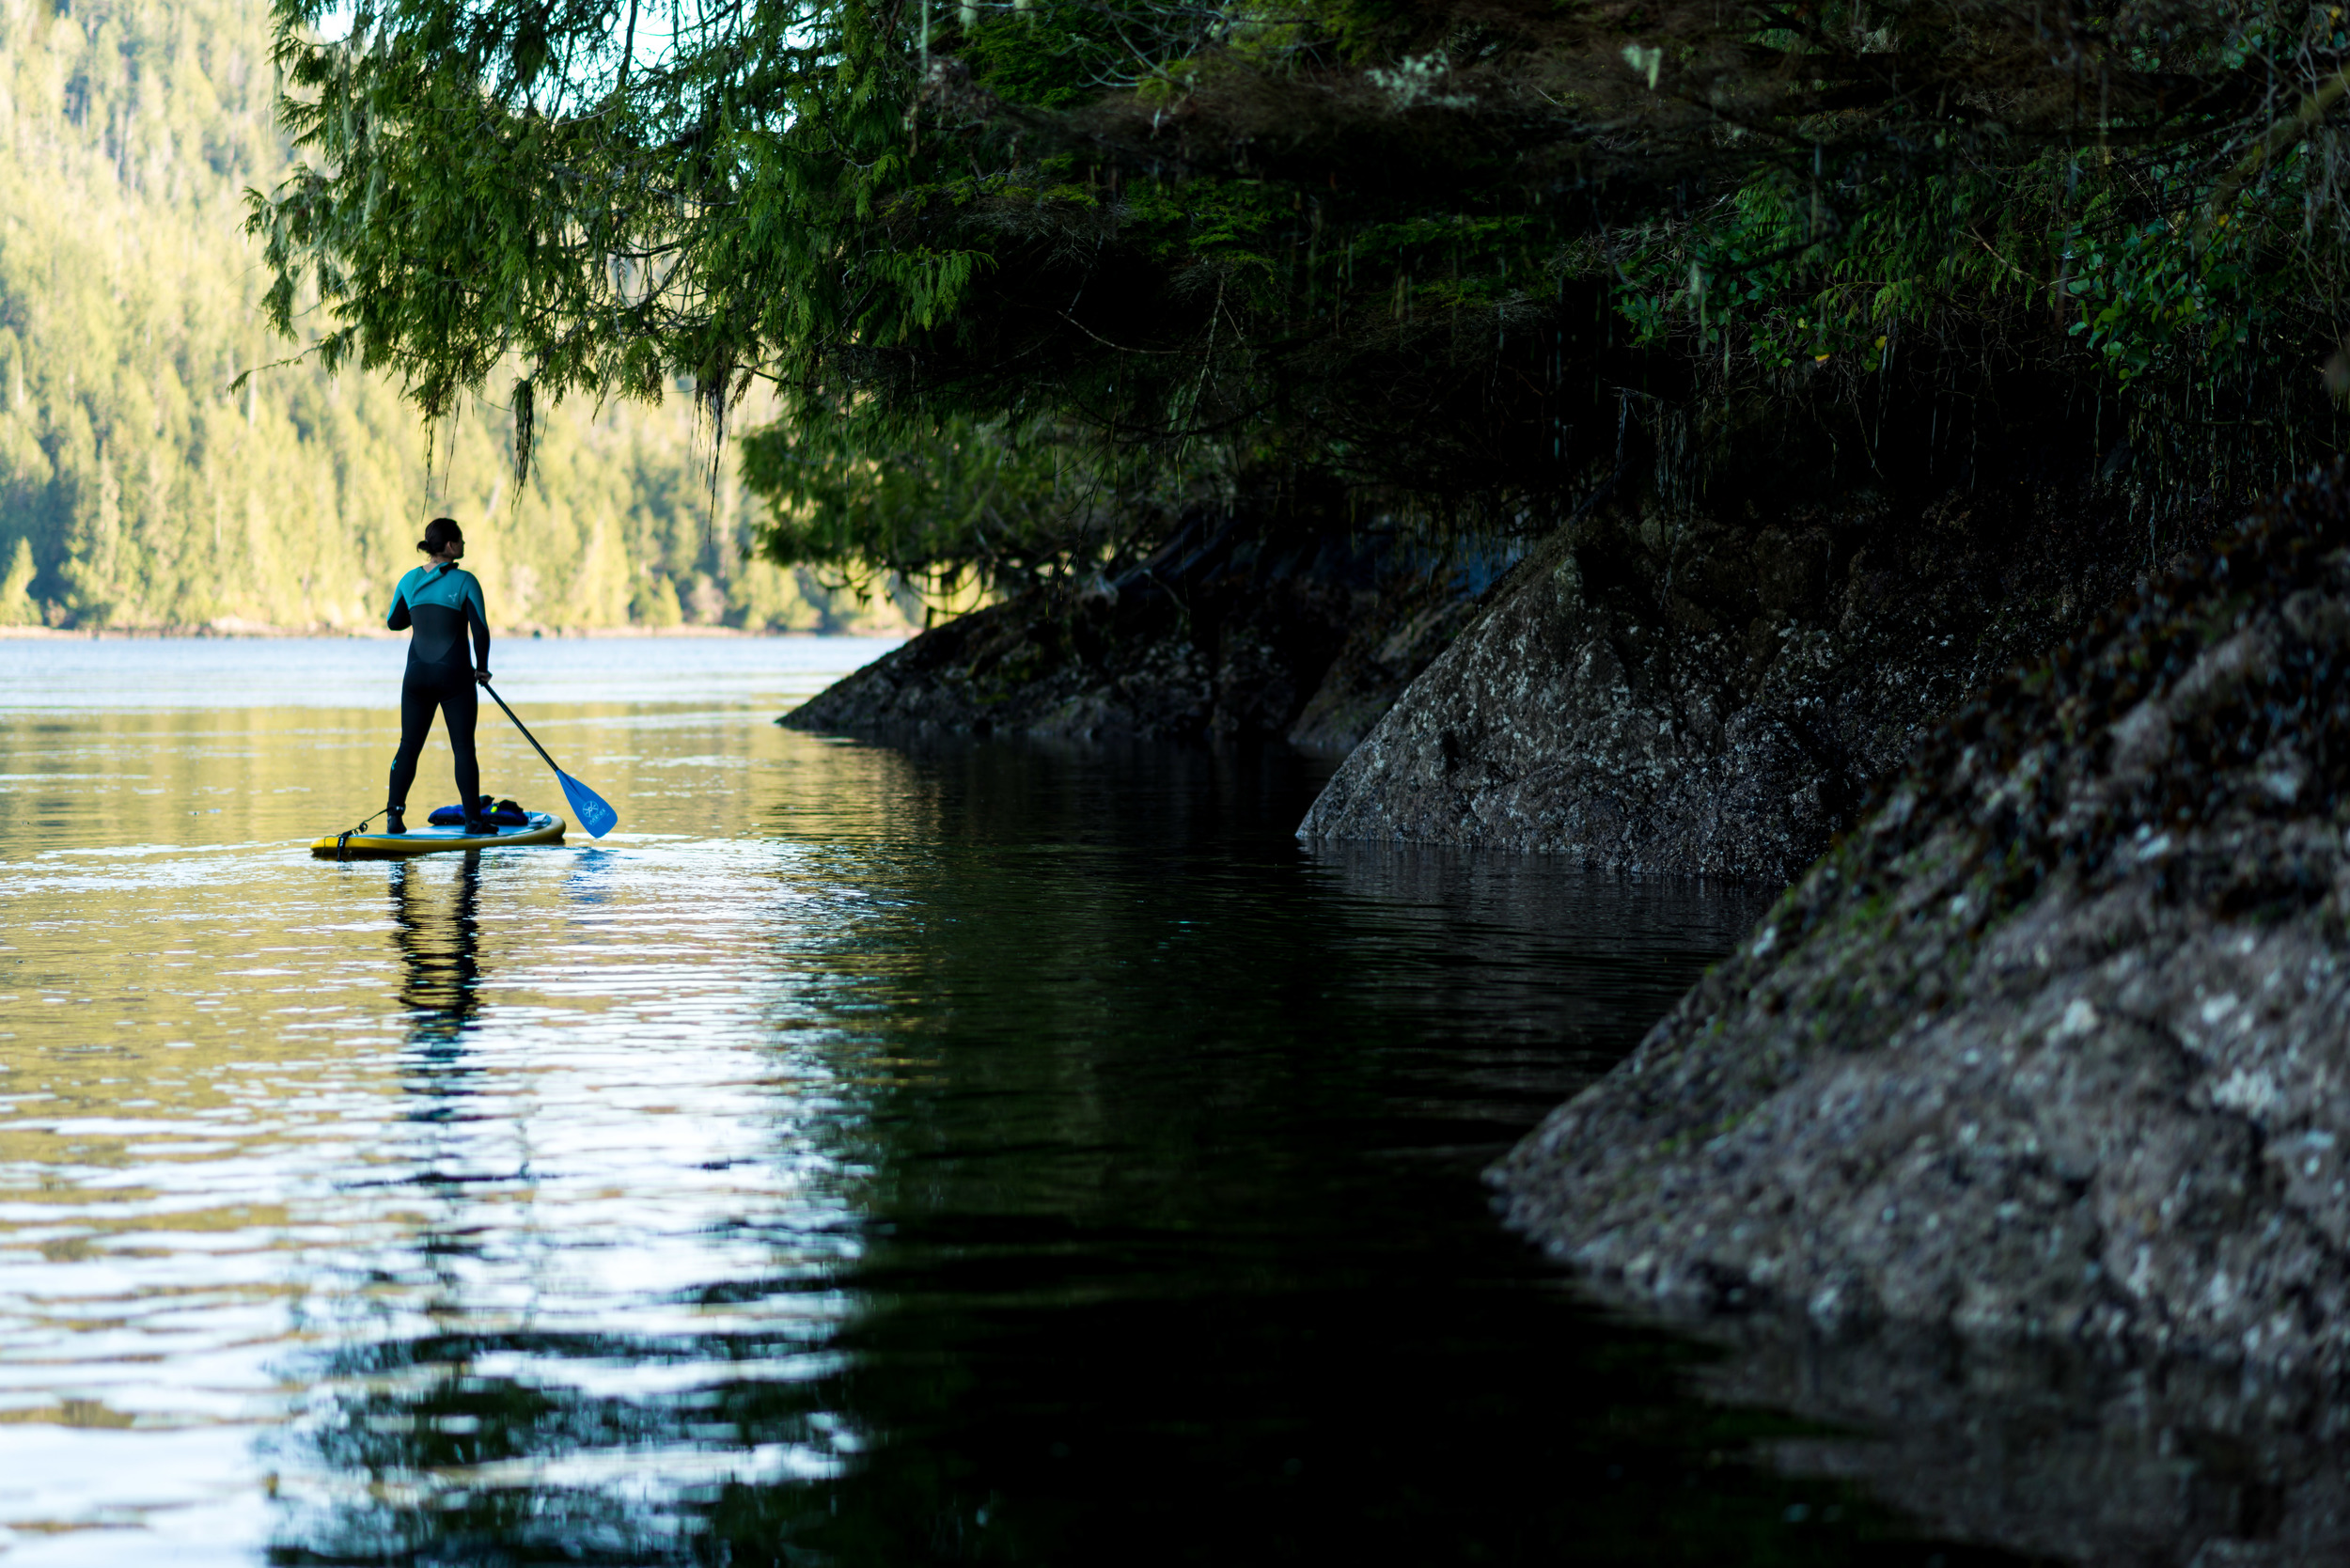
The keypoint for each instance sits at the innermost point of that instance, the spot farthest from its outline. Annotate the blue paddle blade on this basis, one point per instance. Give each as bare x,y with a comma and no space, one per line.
589,807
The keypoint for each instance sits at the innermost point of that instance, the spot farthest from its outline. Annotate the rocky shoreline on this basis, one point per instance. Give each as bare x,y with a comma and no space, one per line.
2057,1044
1229,631
2043,1065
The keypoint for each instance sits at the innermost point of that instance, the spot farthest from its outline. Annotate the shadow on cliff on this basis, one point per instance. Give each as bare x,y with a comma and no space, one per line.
1713,686
1238,626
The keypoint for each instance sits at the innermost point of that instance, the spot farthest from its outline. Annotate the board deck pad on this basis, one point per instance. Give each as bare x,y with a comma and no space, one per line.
543,828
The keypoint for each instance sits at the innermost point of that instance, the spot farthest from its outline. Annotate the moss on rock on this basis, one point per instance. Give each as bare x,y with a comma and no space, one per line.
2057,1042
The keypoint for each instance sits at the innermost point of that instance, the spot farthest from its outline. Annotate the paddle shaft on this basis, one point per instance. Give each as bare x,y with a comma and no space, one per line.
595,813
523,727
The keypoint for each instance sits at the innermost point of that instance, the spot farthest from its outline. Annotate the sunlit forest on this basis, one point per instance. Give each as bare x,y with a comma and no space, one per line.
138,489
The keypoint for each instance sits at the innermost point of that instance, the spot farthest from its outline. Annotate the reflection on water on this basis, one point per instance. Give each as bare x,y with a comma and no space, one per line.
2073,1453
999,1153
440,943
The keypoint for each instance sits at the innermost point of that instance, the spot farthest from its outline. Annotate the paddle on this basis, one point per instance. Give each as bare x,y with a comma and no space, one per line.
594,815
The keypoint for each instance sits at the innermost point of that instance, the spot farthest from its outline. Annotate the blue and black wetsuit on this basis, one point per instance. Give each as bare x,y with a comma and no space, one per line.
444,604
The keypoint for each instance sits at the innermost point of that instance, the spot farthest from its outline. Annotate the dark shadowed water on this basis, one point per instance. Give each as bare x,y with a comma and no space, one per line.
867,1155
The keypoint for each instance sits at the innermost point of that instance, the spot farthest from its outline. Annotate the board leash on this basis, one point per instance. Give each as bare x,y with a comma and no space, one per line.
342,840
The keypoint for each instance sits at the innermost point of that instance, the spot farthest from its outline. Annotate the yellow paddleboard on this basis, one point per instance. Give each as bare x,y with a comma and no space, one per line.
541,829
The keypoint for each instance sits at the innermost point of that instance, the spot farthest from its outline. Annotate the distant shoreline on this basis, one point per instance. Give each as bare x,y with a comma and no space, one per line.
95,633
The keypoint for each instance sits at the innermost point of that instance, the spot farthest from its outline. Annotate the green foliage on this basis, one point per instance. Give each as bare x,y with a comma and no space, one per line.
2120,276
1410,248
1054,56
2157,301
16,600
546,184
138,489
969,503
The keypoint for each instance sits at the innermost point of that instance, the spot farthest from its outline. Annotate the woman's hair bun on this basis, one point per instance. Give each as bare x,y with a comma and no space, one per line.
439,534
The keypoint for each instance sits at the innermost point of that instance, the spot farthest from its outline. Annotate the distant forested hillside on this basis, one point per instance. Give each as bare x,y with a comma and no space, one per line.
136,489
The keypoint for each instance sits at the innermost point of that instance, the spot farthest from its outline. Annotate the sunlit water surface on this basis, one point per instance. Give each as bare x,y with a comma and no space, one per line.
988,1152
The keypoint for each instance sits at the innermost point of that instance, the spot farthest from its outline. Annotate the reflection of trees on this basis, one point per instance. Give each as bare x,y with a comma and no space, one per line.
460,1464
1170,1247
1452,1419
478,1440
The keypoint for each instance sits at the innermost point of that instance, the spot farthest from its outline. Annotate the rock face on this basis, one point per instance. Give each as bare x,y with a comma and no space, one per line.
1706,698
1225,632
2057,1044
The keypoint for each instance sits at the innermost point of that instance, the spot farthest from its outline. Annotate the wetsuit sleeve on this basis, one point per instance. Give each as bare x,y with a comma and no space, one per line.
398,619
477,618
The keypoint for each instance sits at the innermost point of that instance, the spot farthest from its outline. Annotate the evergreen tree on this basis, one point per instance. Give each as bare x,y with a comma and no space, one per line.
138,489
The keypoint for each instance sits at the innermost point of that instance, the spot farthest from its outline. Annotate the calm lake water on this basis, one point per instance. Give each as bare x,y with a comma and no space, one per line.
866,1155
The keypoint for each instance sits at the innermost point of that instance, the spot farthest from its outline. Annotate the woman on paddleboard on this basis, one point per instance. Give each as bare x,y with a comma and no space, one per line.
443,601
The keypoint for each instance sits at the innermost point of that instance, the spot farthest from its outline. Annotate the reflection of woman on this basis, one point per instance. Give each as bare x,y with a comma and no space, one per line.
440,965
443,601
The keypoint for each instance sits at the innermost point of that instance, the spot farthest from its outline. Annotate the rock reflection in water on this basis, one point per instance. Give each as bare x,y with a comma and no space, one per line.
2058,1449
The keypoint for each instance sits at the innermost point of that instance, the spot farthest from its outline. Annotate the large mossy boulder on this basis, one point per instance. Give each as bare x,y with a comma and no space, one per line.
1714,693
2058,1042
